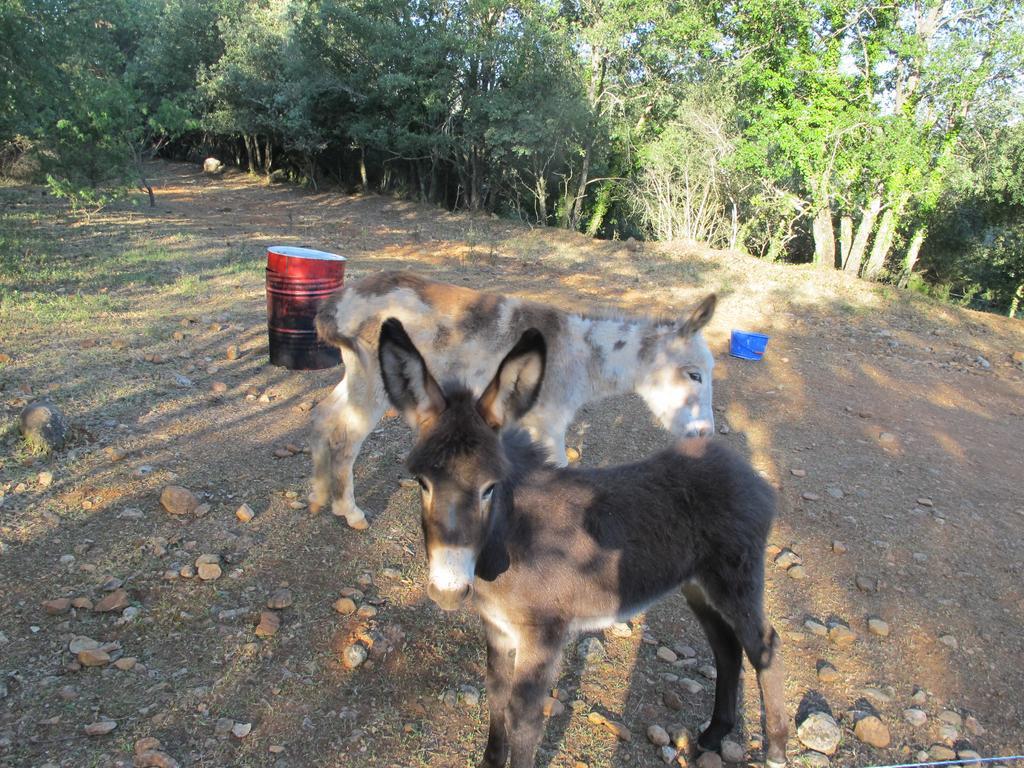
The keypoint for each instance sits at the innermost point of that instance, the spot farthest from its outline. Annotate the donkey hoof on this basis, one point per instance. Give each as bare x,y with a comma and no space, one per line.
775,763
353,516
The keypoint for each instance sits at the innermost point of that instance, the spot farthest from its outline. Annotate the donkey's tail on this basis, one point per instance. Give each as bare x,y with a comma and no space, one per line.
327,330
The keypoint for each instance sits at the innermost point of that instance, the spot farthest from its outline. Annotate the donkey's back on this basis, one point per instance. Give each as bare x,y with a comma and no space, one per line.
695,513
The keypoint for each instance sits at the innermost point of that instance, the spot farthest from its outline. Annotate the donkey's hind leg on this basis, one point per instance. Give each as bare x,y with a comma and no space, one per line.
341,423
742,614
728,660
763,647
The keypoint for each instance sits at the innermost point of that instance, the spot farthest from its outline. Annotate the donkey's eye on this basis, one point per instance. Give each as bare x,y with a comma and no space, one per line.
487,492
695,376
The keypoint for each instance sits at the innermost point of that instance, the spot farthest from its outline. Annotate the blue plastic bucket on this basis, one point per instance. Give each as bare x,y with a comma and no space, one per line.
748,346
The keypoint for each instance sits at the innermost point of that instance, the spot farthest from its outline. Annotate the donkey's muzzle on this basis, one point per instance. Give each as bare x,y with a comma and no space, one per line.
449,599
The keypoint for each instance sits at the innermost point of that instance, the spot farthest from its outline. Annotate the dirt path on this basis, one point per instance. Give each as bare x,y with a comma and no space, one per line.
890,424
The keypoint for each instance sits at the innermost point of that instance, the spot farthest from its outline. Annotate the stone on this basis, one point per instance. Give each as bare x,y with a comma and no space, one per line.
658,736
101,728
667,654
115,601
886,438
573,455
924,501
345,606
797,572
223,726
591,650
787,558
208,567
973,726
798,472
354,655
146,744
668,754
816,628
709,760
126,663
213,166
57,606
280,599
43,426
269,624
841,635
810,496
871,730
218,387
154,758
949,641
241,730
469,696
878,627
672,700
732,752
827,673
45,479
916,717
553,707
820,732
68,693
941,752
709,671
82,643
114,453
835,492
691,686
93,657
367,611
178,500
813,760
969,755
244,513
839,547
949,717
866,583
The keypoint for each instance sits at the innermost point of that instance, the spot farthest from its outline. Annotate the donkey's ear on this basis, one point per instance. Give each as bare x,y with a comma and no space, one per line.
700,316
516,385
410,387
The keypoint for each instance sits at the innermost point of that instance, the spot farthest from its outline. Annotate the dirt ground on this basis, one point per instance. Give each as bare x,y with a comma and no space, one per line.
902,418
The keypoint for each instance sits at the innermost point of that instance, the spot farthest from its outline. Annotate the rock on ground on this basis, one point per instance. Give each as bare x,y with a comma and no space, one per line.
178,500
43,426
101,728
658,736
873,731
820,732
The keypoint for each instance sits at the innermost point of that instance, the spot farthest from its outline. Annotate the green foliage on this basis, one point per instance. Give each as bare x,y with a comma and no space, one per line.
753,123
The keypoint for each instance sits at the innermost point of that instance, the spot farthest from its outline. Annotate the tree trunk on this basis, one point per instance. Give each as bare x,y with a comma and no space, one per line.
910,260
268,157
845,240
574,212
824,237
864,229
541,192
883,242
362,170
250,153
1018,297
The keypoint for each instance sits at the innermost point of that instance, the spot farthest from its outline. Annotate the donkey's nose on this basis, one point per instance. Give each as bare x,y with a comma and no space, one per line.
449,599
699,429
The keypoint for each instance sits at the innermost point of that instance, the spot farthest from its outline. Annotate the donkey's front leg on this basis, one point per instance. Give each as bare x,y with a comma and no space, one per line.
537,658
341,424
501,656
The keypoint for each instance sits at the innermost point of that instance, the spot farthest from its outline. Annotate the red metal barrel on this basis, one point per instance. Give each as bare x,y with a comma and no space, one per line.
298,279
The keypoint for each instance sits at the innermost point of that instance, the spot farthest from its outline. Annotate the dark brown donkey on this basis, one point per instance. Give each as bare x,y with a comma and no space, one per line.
547,552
